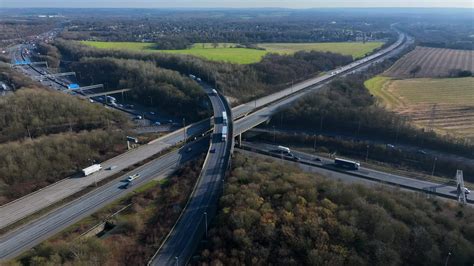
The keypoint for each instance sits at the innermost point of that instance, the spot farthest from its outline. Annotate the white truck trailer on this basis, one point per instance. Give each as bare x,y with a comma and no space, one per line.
91,169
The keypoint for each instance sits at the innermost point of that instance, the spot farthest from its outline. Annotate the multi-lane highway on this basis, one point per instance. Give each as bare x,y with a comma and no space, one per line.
31,203
443,190
34,202
192,225
23,238
14,242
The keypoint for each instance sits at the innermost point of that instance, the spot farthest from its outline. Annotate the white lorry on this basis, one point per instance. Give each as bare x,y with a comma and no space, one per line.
91,169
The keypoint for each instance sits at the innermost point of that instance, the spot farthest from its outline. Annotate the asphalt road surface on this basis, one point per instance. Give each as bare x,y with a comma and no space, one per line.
36,201
23,238
185,236
31,234
443,190
31,203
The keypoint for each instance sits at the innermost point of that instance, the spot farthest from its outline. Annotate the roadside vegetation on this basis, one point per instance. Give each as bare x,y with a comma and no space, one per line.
346,108
272,213
242,82
131,236
240,54
354,49
150,85
46,136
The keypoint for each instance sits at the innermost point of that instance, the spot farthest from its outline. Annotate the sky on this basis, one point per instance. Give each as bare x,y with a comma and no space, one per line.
234,3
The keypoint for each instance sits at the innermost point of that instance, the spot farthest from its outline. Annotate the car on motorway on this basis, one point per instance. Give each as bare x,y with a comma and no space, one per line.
138,117
157,123
467,191
132,177
212,151
316,159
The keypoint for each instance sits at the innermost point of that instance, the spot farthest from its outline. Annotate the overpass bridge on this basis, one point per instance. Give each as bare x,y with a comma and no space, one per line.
245,117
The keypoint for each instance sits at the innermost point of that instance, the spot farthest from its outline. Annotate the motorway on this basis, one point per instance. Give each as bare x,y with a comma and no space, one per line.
202,206
8,242
26,237
31,203
442,190
38,200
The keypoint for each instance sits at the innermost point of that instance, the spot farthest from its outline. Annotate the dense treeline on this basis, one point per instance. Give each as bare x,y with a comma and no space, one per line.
47,135
49,53
442,34
274,214
235,26
412,162
239,81
347,107
137,232
277,69
29,113
153,86
32,164
13,78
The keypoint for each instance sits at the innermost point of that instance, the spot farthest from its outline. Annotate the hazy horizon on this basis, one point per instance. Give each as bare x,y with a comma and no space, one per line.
297,4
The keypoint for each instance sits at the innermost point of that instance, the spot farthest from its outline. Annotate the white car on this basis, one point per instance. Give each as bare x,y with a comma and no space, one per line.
467,191
133,177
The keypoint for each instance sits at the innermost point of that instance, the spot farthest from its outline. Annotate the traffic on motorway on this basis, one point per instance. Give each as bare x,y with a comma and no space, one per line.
38,230
354,168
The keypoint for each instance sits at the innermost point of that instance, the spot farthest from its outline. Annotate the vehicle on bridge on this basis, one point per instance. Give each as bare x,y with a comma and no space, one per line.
224,133
224,118
343,163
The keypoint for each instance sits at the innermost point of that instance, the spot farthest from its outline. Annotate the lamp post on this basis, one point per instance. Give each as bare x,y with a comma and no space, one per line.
447,259
367,155
274,134
205,220
434,166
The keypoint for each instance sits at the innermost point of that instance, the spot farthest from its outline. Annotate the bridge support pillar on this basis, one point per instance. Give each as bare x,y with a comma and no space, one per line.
460,187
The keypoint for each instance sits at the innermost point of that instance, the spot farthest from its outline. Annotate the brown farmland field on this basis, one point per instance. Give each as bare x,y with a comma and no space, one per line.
443,105
432,62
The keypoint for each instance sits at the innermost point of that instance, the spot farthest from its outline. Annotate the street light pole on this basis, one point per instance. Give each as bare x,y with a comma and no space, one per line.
434,166
184,127
447,259
314,145
205,218
367,155
274,134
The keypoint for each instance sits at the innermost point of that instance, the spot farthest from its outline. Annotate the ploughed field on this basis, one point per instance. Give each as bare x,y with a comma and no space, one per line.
432,62
229,52
445,105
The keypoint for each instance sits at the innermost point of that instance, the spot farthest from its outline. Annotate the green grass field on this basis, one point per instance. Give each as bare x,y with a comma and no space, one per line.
227,53
355,49
377,87
446,104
